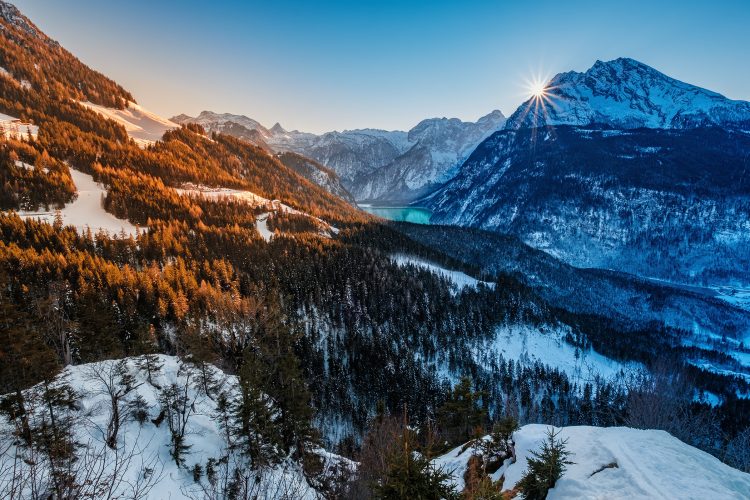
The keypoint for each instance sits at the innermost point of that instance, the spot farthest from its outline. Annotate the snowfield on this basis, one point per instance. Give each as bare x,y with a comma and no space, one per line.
529,344
143,126
459,279
618,463
86,210
150,443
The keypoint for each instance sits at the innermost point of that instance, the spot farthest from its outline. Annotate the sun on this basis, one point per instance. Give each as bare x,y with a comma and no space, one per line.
538,89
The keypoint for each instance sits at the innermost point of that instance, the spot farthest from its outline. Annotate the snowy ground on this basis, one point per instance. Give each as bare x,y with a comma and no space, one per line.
458,278
151,443
11,127
255,201
143,126
86,210
545,344
649,464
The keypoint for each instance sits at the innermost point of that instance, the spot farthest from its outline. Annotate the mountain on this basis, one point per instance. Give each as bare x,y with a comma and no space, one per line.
317,173
374,165
627,94
671,202
439,147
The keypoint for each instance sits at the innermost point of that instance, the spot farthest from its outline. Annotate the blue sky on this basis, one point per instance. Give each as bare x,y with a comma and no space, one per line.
325,65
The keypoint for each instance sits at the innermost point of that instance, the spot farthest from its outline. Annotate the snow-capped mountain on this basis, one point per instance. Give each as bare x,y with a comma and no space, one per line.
671,204
626,94
439,147
374,165
621,174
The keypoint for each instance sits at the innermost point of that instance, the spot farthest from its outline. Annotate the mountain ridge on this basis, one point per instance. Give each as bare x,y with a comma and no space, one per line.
625,93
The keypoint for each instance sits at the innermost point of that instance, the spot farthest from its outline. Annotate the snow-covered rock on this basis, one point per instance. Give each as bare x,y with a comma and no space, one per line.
618,463
625,93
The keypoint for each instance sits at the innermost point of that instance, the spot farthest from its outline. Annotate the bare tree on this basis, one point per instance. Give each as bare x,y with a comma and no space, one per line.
115,382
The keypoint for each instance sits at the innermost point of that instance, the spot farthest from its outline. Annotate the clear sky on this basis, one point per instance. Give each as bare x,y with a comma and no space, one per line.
321,65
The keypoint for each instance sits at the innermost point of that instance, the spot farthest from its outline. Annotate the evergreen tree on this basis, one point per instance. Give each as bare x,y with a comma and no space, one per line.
410,474
545,467
462,416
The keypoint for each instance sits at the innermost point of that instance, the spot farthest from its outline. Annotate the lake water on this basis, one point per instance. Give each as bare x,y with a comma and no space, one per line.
400,214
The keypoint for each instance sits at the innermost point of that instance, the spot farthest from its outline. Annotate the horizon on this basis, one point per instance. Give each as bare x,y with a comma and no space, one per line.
330,66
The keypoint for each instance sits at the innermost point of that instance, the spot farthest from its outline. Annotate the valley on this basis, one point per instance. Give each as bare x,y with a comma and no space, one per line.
204,307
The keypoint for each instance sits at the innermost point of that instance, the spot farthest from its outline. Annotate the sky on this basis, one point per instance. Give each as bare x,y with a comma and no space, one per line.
323,65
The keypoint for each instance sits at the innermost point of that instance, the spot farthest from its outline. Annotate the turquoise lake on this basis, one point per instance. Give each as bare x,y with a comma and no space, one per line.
400,214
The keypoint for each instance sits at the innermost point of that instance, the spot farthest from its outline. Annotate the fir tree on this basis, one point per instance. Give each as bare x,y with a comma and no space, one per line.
411,475
545,467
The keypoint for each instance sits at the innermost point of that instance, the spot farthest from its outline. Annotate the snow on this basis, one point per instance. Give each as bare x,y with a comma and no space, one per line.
255,201
545,344
261,224
152,443
459,279
86,210
650,464
625,93
12,128
143,126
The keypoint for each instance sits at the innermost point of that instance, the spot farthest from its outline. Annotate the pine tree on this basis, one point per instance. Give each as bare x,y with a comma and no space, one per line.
545,467
411,475
462,417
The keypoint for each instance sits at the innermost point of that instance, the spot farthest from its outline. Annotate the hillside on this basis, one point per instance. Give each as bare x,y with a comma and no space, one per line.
122,417
615,463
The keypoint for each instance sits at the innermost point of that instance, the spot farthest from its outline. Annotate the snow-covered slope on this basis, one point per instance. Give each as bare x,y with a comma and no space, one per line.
457,278
255,201
618,463
625,93
142,457
143,126
374,165
86,211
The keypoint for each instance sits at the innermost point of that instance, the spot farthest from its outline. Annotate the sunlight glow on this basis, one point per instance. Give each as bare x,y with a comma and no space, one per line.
538,89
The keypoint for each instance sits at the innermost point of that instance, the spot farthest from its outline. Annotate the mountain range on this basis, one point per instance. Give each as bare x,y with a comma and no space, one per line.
374,165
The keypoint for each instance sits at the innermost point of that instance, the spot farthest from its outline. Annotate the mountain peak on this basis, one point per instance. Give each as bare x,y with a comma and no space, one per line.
277,129
625,93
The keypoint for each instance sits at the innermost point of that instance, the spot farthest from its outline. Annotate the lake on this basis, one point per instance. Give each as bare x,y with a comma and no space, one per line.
401,214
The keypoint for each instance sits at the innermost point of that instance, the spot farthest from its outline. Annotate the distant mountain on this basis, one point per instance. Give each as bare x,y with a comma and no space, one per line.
317,173
439,147
627,94
374,165
671,200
